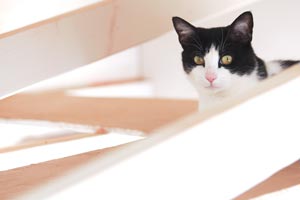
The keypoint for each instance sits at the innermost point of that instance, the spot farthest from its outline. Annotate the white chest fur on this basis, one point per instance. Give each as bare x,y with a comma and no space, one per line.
230,86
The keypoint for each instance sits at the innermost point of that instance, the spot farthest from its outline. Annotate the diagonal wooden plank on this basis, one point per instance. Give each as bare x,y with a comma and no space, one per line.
42,142
17,181
136,114
285,178
38,12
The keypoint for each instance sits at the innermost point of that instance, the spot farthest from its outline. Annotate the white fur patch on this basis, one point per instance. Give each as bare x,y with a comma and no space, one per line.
226,85
212,59
273,68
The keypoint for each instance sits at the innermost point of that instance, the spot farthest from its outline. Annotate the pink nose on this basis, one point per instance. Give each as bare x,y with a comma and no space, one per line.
211,77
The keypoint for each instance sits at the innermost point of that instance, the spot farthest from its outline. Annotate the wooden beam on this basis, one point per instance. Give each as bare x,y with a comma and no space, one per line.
17,16
17,181
285,178
42,142
135,114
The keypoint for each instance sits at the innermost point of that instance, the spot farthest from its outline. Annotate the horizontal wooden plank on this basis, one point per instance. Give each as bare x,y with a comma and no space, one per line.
117,82
135,114
17,181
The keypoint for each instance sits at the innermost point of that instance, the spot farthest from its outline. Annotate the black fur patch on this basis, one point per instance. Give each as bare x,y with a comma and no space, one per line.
261,69
288,63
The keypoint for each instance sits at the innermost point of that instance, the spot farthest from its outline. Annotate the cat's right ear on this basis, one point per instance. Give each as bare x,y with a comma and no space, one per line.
184,29
242,27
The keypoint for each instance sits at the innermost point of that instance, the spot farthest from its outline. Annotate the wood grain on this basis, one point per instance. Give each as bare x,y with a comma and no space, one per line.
137,114
17,181
285,178
41,142
62,11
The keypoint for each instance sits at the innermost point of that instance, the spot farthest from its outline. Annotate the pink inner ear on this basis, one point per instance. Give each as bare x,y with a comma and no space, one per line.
185,34
242,28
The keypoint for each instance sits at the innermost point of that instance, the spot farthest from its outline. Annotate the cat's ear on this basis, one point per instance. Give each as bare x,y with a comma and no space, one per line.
184,29
242,27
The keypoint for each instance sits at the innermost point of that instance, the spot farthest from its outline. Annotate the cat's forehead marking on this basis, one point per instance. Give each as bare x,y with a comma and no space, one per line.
211,58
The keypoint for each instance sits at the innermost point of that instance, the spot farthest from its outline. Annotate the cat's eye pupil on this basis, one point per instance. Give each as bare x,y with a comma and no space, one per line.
226,60
198,60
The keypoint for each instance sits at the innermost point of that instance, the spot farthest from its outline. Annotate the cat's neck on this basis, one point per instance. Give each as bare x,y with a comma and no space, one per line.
210,100
240,85
261,68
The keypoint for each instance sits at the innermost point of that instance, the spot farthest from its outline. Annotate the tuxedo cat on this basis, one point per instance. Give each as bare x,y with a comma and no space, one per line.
220,62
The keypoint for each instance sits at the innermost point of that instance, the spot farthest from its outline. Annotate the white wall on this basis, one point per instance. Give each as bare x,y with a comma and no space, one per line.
276,36
120,66
54,48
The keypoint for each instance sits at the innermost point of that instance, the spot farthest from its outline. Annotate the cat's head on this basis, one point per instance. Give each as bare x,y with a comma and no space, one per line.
214,58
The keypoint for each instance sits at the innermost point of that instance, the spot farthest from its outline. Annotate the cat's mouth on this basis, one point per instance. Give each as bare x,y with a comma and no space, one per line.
212,87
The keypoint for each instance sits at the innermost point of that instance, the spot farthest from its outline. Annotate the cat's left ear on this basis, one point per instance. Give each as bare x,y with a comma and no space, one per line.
184,29
241,29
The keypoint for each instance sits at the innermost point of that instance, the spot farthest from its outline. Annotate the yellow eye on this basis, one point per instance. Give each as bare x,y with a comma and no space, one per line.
199,60
226,60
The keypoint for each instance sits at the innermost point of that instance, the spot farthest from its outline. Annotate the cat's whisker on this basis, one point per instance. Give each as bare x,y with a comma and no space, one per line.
224,43
194,45
198,44
222,39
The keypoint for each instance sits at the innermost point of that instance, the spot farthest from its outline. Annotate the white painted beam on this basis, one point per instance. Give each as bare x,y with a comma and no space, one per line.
19,15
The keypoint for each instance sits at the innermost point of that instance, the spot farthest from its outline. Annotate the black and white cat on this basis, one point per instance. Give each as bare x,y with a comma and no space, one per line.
220,62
